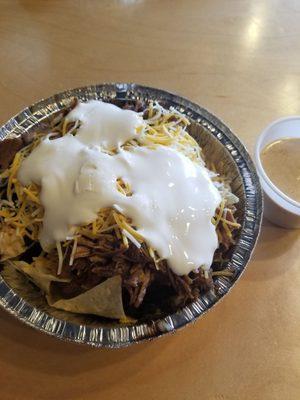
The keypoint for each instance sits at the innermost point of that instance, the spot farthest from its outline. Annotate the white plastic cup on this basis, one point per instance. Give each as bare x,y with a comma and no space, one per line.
278,207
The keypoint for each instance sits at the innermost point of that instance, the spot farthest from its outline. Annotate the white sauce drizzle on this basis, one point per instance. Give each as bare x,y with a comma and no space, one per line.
173,198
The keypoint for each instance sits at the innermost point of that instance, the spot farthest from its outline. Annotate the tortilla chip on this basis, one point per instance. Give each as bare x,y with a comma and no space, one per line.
104,300
11,245
39,272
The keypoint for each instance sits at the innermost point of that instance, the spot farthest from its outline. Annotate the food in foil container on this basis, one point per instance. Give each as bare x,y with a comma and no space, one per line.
112,209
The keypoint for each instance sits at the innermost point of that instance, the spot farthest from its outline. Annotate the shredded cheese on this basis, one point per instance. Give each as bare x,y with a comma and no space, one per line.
220,213
60,258
132,238
74,248
23,209
233,224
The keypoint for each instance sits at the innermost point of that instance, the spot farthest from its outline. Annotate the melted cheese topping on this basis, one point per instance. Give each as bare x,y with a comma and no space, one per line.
172,203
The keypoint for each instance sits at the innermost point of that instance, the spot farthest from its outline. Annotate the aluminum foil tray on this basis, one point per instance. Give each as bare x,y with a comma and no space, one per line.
220,146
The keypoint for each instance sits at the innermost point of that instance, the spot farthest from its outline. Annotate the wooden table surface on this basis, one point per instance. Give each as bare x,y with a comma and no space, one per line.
241,60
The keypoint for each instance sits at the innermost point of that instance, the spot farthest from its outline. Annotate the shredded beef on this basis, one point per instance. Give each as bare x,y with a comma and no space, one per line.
134,105
11,145
143,281
97,260
8,149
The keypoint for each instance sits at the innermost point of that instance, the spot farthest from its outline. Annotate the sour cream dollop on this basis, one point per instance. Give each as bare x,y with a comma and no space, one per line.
173,199
104,124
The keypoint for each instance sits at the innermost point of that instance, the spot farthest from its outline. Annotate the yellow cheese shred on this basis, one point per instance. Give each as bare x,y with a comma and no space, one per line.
23,210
